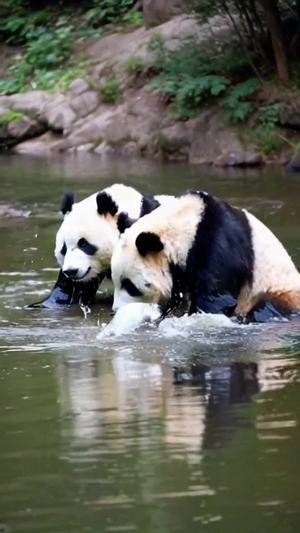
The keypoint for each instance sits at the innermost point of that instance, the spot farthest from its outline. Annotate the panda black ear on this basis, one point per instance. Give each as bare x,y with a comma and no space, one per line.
124,222
147,242
67,203
105,204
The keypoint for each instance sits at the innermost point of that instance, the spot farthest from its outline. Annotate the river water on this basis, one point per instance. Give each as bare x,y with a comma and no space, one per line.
193,427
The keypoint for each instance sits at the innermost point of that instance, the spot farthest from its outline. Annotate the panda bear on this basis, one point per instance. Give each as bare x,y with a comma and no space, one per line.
87,236
213,257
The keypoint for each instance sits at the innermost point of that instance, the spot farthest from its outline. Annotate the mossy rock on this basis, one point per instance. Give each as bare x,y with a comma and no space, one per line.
10,116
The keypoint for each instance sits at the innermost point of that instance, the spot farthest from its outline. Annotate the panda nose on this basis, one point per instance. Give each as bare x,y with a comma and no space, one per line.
71,272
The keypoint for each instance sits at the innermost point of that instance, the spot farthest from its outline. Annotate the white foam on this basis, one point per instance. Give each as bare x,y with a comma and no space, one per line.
128,318
187,325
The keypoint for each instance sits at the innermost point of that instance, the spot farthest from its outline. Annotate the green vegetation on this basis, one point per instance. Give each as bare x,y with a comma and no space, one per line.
47,36
234,75
9,117
267,119
191,76
111,90
134,65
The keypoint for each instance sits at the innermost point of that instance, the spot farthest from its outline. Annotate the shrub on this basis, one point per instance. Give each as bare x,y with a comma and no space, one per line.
110,90
108,11
134,65
236,105
45,50
267,118
188,76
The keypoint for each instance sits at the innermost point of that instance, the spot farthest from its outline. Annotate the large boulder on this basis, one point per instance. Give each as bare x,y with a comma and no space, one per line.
207,140
57,113
31,103
289,116
41,146
158,11
84,103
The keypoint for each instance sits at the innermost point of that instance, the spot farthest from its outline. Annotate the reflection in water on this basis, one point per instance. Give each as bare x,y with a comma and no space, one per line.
153,431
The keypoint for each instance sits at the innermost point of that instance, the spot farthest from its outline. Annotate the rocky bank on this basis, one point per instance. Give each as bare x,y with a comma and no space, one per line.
77,120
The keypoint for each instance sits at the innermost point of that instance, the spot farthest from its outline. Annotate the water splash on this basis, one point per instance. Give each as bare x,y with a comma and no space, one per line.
128,318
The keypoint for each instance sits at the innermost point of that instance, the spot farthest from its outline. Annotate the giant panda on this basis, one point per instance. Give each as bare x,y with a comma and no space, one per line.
87,236
208,254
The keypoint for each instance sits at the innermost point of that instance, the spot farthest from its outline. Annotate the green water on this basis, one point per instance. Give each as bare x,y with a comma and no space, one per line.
98,436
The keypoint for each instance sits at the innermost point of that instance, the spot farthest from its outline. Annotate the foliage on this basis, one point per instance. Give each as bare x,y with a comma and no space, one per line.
265,132
236,103
45,50
134,65
110,90
192,74
108,11
268,115
9,117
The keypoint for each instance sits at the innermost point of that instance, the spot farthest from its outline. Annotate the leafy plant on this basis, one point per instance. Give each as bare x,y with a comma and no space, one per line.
268,114
110,90
134,65
46,50
236,103
108,11
9,117
267,118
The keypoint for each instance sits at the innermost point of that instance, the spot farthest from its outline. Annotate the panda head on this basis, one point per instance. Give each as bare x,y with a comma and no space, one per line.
142,260
89,232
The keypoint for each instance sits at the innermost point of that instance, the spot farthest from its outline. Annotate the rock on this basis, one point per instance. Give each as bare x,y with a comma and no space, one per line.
88,147
294,163
175,141
78,87
31,103
241,158
289,116
111,52
58,114
41,146
156,12
108,125
85,103
102,149
24,128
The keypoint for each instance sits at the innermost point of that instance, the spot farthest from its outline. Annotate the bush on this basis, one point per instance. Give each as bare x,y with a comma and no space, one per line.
134,65
45,50
236,105
108,11
110,90
191,75
265,132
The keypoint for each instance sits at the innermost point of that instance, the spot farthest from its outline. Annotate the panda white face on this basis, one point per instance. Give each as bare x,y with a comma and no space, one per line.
140,277
85,241
141,262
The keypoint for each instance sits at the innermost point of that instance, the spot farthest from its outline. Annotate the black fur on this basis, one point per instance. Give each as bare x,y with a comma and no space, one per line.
220,261
147,242
105,204
124,221
87,247
128,286
67,202
64,249
149,203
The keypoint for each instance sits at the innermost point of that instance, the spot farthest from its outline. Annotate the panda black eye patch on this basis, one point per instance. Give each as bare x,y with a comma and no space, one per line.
128,286
64,249
86,247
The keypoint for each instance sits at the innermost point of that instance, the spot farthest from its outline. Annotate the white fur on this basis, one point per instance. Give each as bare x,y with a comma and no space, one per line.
85,222
176,225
